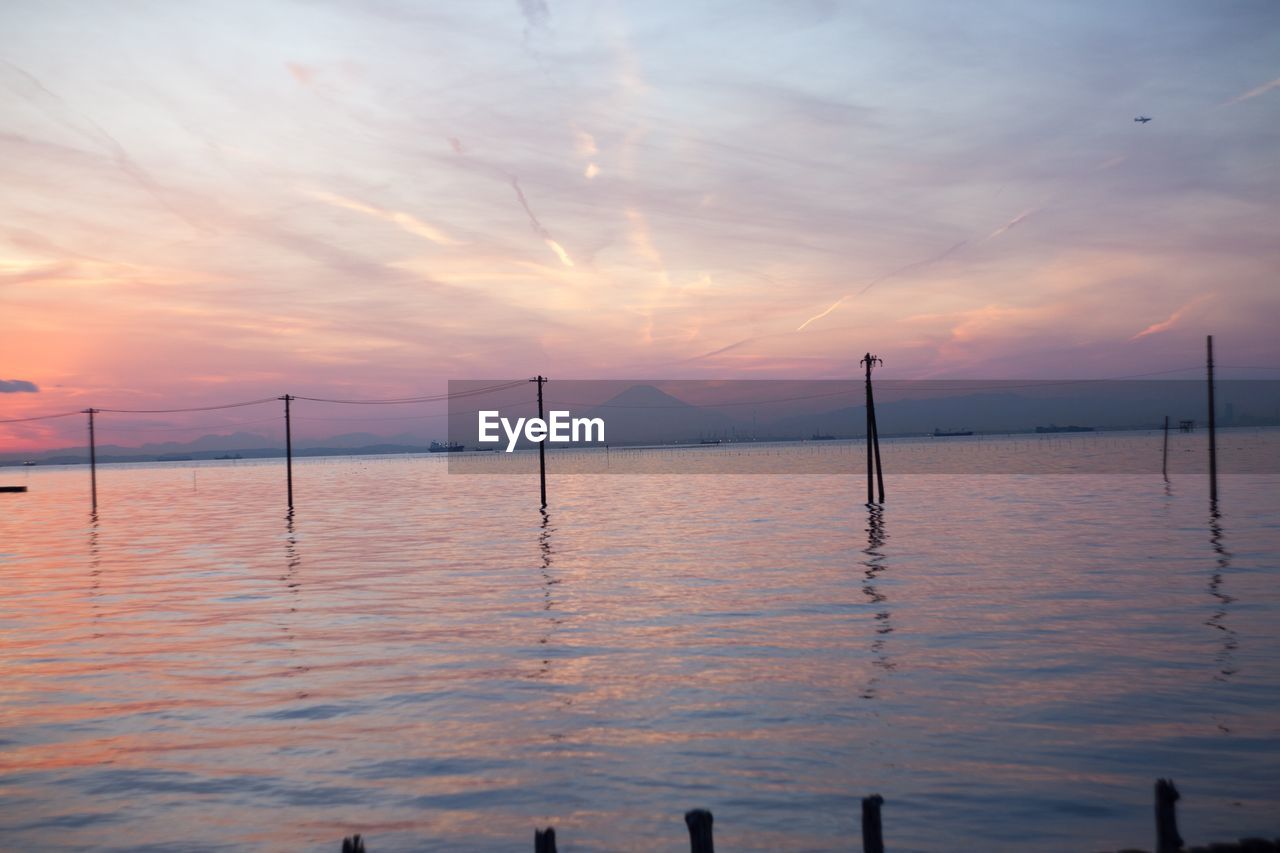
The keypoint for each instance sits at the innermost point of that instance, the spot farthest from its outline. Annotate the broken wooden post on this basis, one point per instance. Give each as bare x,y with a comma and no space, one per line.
354,844
1167,838
872,838
544,840
699,823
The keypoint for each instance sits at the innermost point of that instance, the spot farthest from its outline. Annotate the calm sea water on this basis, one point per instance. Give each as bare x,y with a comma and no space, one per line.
428,659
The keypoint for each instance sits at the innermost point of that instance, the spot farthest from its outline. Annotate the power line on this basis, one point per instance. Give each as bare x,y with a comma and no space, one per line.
427,399
41,417
190,409
129,429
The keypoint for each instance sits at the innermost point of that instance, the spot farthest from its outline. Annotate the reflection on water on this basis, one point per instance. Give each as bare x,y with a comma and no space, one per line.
548,584
875,564
1225,658
417,657
293,597
95,567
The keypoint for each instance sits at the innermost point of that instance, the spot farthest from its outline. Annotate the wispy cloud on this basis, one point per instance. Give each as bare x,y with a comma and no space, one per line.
914,265
537,226
1166,325
1254,92
1014,222
399,218
35,92
536,14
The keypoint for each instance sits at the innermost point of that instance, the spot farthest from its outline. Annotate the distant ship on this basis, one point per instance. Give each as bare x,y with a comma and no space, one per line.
947,433
710,441
1056,428
451,447
28,462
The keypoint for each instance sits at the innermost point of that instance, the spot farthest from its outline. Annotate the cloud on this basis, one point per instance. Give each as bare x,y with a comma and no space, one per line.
584,144
34,273
405,221
17,386
304,74
39,96
1254,92
1168,324
1013,223
537,226
914,265
536,14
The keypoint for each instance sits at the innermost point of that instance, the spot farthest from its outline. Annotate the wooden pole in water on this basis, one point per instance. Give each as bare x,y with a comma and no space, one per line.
1213,438
542,445
873,438
1164,463
872,838
93,461
870,440
875,433
1167,838
288,448
699,823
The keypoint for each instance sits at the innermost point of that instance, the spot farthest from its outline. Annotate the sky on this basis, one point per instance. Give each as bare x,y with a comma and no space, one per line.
212,202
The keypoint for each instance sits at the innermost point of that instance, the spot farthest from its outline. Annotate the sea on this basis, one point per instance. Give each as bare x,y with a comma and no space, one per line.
423,654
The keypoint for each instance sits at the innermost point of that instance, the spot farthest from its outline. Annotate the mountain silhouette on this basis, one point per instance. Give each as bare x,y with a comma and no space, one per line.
645,414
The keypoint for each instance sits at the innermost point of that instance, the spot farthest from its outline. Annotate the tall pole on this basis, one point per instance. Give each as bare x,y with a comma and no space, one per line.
288,447
875,432
873,437
542,445
870,438
93,461
1213,438
1164,462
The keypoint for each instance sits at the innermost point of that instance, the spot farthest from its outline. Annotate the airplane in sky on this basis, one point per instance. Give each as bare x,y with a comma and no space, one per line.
1143,119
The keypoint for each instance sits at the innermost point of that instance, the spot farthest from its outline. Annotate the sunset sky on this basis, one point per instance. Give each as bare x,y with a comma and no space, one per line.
209,202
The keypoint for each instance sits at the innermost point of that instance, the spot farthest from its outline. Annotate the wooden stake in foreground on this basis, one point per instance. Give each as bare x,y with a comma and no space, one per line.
699,823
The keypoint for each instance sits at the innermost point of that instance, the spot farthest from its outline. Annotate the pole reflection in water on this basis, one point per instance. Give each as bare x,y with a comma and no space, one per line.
95,570
548,582
875,565
1225,658
293,586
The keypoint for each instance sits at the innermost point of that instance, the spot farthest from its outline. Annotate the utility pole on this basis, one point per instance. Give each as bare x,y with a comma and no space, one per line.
288,447
1213,438
873,435
93,462
1164,464
542,445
